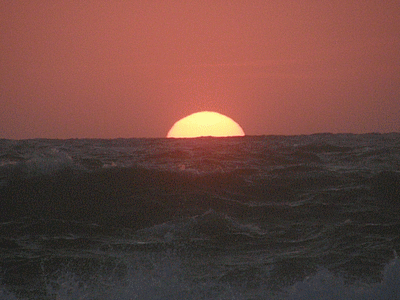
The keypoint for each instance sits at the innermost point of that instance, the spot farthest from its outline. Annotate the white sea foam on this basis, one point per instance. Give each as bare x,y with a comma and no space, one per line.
166,277
325,285
308,197
41,163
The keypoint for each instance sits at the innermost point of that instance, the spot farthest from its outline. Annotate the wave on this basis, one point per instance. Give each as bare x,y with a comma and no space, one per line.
167,276
214,228
132,197
249,218
139,197
325,285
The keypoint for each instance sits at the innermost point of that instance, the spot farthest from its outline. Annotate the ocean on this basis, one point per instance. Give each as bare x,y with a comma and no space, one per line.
254,217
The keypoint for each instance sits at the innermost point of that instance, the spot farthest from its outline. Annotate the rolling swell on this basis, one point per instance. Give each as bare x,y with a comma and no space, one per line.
129,197
263,212
138,197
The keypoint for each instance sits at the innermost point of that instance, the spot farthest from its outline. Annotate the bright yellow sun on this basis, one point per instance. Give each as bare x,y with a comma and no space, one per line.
205,123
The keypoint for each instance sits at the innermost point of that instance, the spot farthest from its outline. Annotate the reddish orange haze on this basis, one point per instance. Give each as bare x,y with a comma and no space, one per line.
109,69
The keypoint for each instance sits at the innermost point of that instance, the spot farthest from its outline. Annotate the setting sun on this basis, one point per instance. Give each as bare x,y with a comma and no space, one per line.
205,123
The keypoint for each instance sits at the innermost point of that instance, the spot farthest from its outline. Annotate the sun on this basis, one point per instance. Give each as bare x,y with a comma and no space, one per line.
205,123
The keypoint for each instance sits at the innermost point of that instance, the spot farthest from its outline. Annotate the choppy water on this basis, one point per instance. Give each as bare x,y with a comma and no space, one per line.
266,217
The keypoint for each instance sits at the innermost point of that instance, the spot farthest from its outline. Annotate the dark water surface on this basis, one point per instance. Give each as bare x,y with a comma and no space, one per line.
263,217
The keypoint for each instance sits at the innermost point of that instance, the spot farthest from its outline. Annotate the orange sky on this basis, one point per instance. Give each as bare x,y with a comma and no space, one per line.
109,69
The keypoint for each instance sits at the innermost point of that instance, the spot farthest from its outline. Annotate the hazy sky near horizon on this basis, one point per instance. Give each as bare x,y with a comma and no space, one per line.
110,69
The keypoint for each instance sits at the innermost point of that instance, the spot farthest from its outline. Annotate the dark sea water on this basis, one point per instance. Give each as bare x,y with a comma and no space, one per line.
263,217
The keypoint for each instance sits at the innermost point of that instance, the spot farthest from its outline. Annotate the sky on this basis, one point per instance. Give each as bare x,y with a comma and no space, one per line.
112,69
